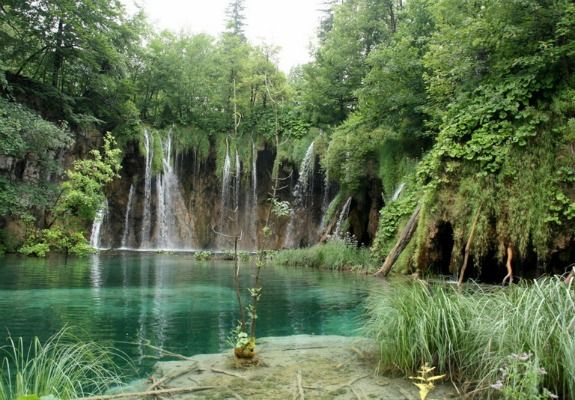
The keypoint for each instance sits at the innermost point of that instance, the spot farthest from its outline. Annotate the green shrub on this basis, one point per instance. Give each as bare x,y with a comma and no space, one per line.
42,242
335,254
203,255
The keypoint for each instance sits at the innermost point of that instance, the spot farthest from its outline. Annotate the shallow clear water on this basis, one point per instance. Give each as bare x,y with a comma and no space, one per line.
174,301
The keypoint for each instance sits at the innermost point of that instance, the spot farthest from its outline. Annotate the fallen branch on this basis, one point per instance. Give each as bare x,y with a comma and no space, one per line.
166,352
173,375
401,244
148,393
299,394
468,247
221,371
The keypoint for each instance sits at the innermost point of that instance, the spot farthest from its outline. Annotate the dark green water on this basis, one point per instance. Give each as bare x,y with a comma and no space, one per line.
173,301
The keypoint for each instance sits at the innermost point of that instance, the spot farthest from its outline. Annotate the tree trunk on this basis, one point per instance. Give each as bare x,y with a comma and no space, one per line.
58,57
401,244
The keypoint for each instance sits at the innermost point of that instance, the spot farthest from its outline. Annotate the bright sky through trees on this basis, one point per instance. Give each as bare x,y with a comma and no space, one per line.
290,24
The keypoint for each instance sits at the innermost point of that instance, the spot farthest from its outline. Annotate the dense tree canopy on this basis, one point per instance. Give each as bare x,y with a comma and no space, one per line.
467,103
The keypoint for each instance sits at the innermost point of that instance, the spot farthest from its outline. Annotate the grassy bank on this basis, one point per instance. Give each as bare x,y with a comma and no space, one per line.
517,342
334,254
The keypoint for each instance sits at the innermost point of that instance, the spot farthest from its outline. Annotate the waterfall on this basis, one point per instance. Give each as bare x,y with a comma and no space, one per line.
126,234
251,216
342,217
304,188
398,191
161,220
302,192
146,220
226,180
95,237
237,182
254,170
173,220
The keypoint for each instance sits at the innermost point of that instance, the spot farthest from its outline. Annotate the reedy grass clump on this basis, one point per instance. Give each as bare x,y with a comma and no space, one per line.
471,333
63,367
335,254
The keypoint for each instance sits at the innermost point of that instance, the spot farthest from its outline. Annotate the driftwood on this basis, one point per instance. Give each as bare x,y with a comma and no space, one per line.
298,390
401,244
221,371
173,375
166,353
468,247
148,393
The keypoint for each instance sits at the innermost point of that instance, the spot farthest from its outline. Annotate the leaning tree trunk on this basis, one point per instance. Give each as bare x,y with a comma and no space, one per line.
401,244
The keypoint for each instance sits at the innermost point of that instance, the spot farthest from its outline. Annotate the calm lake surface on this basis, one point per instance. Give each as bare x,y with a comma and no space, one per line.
174,301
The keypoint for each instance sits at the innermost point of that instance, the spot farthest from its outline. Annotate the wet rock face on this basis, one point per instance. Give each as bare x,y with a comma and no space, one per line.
189,191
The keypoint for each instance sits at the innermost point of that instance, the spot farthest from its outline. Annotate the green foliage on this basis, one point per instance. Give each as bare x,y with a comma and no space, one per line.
23,132
83,191
62,368
522,379
351,158
391,219
458,332
336,254
44,241
203,255
280,208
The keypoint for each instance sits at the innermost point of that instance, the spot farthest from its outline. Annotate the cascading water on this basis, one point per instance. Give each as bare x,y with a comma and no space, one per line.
342,218
96,235
226,180
398,191
302,193
238,179
254,199
146,213
127,216
173,220
303,190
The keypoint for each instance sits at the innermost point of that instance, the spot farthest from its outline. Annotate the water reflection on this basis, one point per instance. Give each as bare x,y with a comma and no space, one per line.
172,301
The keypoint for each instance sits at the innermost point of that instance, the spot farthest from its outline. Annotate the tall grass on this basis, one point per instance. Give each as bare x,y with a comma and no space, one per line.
336,254
62,367
472,334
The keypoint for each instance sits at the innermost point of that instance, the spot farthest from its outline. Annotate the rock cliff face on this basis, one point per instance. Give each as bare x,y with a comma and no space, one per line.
187,205
190,204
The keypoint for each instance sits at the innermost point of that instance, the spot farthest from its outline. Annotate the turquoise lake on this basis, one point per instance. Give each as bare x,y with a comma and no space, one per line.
172,301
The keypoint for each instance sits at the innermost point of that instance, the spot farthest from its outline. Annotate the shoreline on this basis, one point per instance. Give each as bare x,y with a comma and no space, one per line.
299,366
